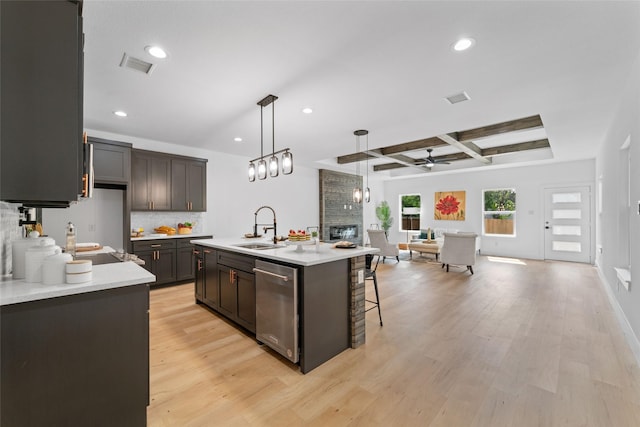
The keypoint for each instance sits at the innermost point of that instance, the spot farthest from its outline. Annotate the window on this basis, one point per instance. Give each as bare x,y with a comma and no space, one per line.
499,212
410,212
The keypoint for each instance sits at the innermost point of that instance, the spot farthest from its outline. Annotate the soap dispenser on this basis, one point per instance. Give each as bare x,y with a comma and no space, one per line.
70,246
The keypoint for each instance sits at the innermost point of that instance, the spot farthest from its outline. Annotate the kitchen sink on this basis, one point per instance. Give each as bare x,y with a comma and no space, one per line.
258,246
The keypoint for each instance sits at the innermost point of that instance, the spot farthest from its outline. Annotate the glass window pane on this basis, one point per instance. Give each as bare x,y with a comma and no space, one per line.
410,207
566,246
566,198
566,214
566,230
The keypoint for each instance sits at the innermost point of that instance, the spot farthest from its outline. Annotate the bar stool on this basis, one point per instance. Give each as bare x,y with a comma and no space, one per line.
370,274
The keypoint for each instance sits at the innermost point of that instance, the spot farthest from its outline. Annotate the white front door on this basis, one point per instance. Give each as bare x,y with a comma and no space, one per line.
568,224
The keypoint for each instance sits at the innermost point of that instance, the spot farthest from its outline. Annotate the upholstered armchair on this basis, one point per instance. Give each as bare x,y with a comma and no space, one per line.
459,249
378,239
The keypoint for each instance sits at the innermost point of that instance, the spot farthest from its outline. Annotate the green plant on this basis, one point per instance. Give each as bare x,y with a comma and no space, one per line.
383,212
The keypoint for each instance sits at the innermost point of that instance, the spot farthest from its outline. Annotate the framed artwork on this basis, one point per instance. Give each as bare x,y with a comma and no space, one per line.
449,205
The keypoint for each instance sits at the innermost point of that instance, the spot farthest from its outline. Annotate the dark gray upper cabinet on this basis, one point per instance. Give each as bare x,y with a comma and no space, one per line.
150,181
41,104
188,185
111,161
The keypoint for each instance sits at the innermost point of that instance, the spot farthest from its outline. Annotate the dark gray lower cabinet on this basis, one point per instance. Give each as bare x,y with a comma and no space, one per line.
159,258
227,285
171,260
206,277
80,360
185,267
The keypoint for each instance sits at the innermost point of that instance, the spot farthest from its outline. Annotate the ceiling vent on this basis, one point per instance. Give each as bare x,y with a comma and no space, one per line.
458,97
136,64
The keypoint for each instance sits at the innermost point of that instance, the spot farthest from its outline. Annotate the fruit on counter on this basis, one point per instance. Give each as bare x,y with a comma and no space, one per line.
185,225
296,236
165,229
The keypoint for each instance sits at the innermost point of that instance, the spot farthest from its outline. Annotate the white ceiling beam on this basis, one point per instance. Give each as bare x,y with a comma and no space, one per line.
468,148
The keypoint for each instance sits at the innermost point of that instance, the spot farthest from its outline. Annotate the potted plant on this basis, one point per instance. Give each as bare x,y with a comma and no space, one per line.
383,212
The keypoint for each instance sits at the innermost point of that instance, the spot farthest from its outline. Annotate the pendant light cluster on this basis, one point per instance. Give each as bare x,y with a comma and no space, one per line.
287,158
358,194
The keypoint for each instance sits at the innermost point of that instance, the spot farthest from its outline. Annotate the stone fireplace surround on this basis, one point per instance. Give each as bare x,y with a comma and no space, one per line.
338,213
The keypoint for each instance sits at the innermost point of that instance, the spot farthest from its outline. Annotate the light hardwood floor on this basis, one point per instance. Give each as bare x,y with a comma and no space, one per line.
530,344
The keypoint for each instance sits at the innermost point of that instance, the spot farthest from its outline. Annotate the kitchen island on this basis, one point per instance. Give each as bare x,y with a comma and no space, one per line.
330,290
76,354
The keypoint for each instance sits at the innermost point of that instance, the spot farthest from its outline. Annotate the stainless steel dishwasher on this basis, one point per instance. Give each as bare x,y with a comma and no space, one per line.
277,307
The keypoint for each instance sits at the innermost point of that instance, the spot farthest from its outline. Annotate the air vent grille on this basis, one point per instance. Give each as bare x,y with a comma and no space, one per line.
458,97
136,64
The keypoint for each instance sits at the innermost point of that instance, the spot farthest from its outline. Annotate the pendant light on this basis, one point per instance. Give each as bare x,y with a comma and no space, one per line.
357,190
262,170
367,191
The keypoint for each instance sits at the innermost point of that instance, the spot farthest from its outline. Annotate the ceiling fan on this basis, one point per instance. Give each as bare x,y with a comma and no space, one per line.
430,161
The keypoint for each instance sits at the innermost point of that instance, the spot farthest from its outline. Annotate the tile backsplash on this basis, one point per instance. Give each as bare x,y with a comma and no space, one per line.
151,220
9,231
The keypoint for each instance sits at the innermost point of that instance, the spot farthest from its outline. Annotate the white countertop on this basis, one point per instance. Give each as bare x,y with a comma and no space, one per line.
175,236
309,256
105,276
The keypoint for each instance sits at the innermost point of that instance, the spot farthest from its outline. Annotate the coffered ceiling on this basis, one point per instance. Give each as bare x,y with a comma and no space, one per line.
551,73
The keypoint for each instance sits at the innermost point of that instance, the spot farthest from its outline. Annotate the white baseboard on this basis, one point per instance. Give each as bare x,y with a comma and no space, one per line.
629,335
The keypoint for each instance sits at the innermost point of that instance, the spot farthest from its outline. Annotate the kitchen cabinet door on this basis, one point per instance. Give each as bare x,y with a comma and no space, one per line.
211,282
165,266
199,274
41,156
150,181
237,296
228,302
188,185
185,263
111,161
246,300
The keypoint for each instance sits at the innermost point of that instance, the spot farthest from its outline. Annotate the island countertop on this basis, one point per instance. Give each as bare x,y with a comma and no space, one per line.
287,252
105,276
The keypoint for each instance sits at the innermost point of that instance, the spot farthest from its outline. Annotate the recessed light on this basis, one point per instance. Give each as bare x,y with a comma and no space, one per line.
120,113
307,110
156,52
237,139
463,44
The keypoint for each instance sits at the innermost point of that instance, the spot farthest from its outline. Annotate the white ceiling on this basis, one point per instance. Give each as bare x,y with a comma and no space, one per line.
384,66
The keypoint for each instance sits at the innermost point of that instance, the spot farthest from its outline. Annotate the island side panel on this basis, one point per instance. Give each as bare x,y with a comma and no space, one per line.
358,337
325,325
77,360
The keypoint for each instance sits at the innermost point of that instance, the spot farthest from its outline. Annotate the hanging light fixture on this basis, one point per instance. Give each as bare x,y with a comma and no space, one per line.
367,191
357,190
273,168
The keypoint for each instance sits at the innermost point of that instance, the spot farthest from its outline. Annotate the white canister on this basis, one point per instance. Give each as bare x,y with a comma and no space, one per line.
34,257
19,248
79,271
54,268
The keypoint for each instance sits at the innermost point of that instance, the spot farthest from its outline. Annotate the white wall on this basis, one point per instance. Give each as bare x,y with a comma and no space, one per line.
528,181
621,241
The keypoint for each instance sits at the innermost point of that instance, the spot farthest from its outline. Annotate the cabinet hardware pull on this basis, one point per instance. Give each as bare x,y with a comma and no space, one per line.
207,251
279,276
159,245
158,252
195,252
199,264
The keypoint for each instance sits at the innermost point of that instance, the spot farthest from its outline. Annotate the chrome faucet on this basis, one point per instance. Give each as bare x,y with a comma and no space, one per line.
270,226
